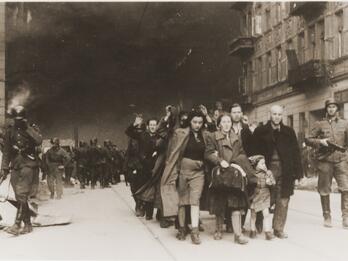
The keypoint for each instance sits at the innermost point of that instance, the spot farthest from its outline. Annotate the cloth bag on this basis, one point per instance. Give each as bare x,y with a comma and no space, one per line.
6,190
228,179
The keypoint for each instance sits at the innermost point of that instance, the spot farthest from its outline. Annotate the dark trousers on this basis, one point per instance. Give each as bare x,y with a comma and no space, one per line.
22,181
94,176
148,209
102,174
55,182
82,175
281,203
68,174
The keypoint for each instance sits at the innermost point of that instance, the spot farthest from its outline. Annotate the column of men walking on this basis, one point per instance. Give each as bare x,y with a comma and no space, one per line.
23,158
188,162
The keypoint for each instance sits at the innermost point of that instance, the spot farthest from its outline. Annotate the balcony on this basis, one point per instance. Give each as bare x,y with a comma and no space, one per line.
242,46
306,9
312,73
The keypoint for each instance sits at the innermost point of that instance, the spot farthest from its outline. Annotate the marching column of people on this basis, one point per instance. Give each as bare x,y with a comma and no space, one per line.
185,163
216,164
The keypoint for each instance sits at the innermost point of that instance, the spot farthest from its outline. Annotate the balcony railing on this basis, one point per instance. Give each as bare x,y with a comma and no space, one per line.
306,9
313,72
242,46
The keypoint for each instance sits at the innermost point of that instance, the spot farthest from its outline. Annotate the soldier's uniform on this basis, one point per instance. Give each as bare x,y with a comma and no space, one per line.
101,165
82,164
116,165
20,156
56,158
331,163
93,156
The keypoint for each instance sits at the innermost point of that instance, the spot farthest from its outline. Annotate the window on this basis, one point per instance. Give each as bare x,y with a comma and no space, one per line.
321,42
302,122
311,42
259,73
291,121
250,23
243,81
302,127
339,19
279,63
278,12
301,48
269,68
249,77
268,19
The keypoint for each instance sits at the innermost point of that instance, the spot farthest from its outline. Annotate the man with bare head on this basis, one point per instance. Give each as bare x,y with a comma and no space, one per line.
278,144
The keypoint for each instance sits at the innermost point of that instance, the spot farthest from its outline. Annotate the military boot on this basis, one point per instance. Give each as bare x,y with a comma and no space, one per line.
15,228
344,208
195,236
27,221
325,205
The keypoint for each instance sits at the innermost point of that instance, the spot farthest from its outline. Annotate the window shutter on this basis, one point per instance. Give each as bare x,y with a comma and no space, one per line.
329,36
264,70
284,64
345,31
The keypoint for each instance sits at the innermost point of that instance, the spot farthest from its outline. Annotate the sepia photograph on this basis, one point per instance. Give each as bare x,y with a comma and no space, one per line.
174,130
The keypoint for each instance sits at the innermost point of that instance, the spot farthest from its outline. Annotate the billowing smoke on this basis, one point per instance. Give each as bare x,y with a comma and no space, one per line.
19,96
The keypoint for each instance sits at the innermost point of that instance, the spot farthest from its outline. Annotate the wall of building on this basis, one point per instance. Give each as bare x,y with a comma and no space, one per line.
2,63
323,37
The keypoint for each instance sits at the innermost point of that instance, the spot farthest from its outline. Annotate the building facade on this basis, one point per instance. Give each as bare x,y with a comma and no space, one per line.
2,64
295,55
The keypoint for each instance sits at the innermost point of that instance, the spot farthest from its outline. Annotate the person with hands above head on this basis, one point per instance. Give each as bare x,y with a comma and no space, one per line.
148,153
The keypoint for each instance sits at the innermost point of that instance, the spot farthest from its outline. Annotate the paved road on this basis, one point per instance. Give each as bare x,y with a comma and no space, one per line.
104,227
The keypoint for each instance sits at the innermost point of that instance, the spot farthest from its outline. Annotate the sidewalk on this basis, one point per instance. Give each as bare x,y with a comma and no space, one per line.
308,239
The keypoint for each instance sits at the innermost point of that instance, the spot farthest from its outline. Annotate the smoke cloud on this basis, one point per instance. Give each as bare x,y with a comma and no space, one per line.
19,96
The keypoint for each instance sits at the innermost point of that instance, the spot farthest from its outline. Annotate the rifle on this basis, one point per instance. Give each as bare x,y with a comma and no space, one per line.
324,152
336,147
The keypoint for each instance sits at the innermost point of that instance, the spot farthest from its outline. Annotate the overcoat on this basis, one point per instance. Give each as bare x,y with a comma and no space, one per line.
176,147
288,150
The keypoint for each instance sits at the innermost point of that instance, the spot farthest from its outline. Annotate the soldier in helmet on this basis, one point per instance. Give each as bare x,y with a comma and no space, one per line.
331,162
20,156
107,152
93,157
82,163
56,158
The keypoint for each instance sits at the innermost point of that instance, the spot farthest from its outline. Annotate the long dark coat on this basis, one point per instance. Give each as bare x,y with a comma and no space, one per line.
169,193
288,150
247,140
150,191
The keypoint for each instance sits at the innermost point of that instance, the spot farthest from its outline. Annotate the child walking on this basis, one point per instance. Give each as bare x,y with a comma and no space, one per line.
261,199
